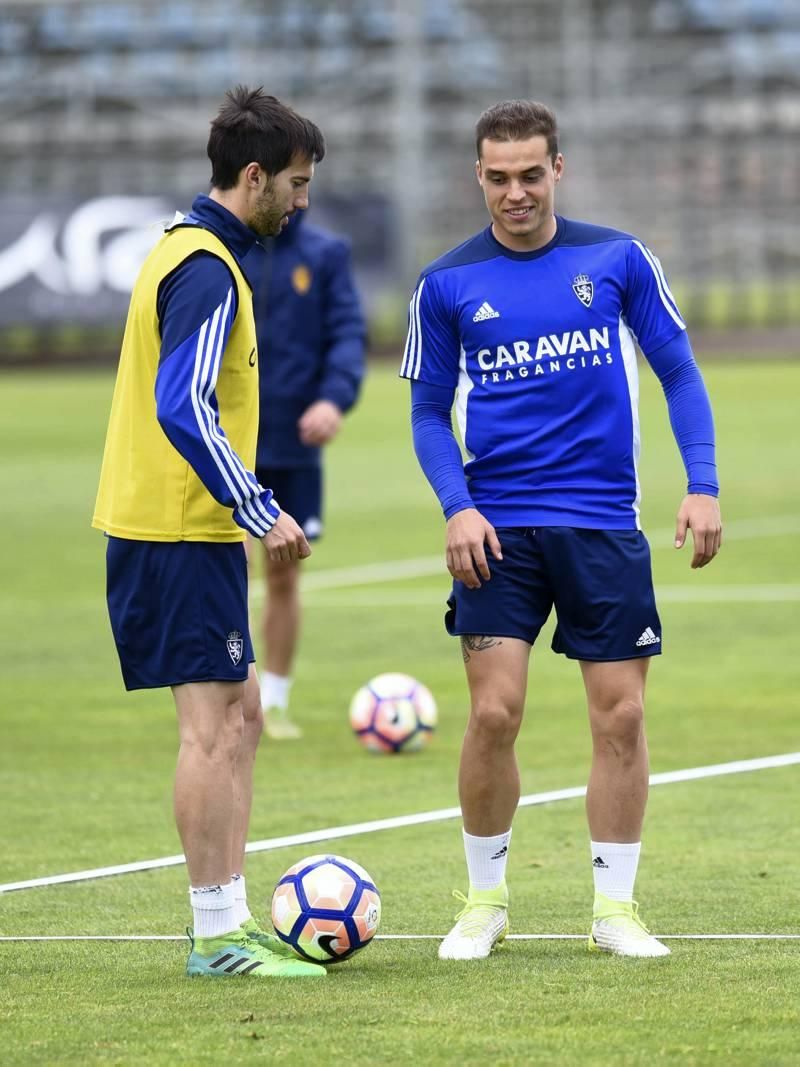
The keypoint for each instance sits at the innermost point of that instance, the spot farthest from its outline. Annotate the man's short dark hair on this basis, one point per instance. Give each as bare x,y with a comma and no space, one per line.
252,127
517,120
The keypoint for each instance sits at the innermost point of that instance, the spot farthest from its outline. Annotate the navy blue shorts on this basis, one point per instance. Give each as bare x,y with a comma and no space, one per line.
178,611
599,582
298,490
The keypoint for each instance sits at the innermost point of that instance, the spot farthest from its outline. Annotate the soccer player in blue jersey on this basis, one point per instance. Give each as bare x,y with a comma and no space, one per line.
178,496
530,326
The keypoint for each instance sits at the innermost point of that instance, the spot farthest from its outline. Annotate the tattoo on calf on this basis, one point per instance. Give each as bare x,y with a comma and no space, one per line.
476,643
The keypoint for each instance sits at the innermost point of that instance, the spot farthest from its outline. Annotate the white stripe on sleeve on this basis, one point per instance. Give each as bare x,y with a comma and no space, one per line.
408,355
235,465
204,341
412,357
208,359
663,289
419,330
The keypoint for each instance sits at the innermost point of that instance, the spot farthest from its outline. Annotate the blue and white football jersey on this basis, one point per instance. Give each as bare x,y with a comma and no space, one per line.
539,348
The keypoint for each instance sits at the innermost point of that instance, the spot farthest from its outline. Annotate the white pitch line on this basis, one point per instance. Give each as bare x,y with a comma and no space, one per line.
582,937
101,937
356,829
427,566
714,594
420,937
672,594
392,570
396,570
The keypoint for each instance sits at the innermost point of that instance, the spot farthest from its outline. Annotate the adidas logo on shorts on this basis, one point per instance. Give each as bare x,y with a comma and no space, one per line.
648,638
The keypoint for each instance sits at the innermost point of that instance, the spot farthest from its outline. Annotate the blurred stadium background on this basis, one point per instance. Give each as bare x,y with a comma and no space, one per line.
680,121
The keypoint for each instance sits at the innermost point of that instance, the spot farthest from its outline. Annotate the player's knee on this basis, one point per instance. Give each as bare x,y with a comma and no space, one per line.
282,579
621,723
496,720
253,724
219,738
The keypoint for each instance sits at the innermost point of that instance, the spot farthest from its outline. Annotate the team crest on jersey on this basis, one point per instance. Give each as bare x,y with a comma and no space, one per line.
235,643
301,279
583,288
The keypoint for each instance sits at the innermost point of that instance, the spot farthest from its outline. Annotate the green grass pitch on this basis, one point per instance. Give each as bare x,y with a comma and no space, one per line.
86,769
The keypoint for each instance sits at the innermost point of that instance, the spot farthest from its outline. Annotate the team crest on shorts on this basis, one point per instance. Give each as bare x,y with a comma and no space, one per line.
235,643
583,288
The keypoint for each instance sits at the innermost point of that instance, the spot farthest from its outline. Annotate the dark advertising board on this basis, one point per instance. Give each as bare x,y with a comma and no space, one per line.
63,261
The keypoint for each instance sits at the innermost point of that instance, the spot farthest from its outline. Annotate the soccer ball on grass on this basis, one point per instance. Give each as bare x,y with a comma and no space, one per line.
326,908
393,713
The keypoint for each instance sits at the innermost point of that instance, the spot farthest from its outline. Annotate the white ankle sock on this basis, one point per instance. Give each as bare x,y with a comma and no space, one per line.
274,691
213,910
614,868
486,859
241,912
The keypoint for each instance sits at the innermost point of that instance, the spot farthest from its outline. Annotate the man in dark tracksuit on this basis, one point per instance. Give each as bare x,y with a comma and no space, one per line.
311,352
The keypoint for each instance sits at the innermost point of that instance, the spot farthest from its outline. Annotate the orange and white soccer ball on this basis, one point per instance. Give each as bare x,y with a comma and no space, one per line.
326,907
393,713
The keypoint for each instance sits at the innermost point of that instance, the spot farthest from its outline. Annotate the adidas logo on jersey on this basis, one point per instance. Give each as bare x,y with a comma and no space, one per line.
648,638
484,312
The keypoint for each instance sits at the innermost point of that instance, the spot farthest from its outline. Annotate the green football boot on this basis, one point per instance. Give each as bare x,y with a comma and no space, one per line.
235,954
269,941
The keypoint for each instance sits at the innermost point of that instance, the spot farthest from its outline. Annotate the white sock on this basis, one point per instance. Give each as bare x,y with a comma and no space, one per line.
614,868
274,691
213,910
486,859
241,912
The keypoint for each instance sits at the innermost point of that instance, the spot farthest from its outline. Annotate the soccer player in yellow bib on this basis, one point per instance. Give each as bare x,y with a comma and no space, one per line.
177,498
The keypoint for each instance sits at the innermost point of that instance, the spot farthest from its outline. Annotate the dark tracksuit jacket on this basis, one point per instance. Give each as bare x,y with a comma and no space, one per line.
311,335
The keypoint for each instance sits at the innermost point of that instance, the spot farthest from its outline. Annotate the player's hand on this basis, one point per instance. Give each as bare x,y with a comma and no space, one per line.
319,423
700,514
286,541
467,535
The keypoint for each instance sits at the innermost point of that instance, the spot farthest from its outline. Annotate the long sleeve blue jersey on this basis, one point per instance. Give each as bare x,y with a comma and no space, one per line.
538,350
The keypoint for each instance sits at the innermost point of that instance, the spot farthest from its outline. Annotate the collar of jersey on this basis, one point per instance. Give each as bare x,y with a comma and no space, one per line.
511,254
223,223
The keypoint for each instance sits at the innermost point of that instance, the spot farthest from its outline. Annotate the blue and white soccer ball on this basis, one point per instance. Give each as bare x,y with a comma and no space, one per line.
393,713
326,908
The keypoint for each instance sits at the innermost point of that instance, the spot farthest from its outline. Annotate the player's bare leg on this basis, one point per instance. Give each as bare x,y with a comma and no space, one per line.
615,802
281,619
252,727
280,628
488,779
488,783
617,792
210,727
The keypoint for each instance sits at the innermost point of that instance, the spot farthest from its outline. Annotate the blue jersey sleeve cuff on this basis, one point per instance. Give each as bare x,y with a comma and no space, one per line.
703,488
258,514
